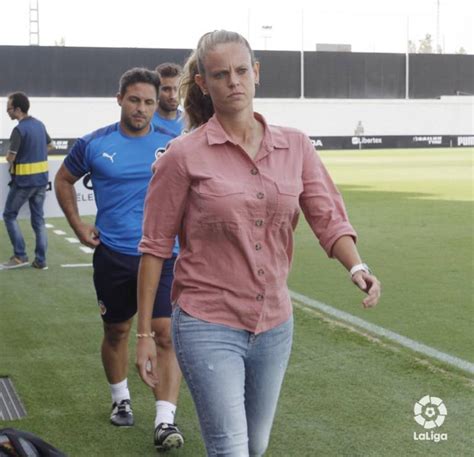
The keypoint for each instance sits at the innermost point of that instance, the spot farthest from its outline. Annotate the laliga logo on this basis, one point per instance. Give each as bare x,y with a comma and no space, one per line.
430,412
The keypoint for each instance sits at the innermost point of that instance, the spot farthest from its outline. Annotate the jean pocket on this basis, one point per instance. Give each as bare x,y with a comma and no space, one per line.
180,314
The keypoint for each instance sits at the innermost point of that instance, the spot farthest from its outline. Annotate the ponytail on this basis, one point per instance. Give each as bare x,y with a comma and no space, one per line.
197,106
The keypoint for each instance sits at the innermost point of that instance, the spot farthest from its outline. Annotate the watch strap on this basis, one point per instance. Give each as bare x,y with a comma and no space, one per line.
359,267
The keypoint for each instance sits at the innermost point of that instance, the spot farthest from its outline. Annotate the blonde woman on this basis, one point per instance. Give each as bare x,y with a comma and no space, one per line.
232,190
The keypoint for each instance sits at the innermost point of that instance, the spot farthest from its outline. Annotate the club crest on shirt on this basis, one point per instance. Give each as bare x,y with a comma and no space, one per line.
159,152
102,307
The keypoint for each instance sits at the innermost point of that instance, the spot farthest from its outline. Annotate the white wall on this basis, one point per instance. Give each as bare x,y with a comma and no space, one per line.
73,117
335,117
66,117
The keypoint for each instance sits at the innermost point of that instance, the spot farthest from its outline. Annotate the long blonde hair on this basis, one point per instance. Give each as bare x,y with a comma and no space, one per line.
197,106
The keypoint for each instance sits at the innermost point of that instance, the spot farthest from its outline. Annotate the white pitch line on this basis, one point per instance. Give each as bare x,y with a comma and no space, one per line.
86,249
72,240
76,265
49,225
59,232
380,331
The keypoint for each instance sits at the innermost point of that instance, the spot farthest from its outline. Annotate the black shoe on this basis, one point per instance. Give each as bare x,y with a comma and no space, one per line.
122,414
168,436
39,266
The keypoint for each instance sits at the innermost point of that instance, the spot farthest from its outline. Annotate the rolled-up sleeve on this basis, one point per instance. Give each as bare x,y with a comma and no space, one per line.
321,201
164,204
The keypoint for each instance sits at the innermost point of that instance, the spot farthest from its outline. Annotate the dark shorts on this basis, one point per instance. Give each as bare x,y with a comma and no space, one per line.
115,281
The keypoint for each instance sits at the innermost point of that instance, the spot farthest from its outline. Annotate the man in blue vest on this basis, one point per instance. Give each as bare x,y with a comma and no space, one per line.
28,159
168,116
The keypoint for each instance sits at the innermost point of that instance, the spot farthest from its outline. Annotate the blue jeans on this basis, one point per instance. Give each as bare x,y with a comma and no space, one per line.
235,378
17,197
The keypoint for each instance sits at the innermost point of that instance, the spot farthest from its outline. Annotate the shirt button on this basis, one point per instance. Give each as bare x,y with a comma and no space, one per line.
259,222
261,272
253,171
260,195
259,297
258,246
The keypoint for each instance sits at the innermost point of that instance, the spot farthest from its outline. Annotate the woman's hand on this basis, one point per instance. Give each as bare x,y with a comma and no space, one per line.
146,361
149,273
370,285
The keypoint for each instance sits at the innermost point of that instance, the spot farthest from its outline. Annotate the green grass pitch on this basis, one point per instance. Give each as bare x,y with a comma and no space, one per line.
346,393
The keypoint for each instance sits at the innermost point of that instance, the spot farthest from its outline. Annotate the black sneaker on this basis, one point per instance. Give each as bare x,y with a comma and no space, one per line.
122,414
39,266
168,436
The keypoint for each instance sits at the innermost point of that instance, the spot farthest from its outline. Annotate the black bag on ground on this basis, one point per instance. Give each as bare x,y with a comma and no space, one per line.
17,443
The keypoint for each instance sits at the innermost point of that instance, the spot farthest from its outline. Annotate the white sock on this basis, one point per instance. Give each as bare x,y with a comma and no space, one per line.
165,412
119,391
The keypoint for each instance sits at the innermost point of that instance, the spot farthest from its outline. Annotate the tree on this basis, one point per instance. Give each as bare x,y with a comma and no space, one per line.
461,50
61,42
426,46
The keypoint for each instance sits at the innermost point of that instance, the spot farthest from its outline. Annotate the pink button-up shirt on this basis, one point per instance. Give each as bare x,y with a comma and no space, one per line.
235,219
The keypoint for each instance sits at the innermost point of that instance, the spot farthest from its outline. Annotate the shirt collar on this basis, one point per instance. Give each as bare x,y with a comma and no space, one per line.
272,138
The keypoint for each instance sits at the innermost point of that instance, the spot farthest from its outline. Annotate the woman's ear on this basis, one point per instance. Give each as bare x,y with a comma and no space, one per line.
256,72
200,81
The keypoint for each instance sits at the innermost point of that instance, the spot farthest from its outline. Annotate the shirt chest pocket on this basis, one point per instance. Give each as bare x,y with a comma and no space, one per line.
220,201
287,207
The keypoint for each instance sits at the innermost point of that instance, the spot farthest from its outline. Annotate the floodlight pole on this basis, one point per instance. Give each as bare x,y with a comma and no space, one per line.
248,25
302,55
437,27
407,62
266,34
34,23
